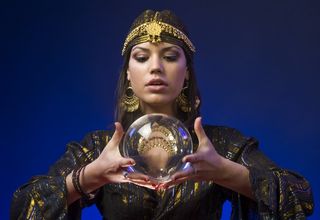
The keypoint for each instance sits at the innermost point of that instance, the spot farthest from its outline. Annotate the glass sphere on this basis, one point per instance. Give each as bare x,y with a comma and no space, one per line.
157,143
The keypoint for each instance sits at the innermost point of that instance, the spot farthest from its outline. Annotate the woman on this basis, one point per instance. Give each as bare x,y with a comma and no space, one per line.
158,77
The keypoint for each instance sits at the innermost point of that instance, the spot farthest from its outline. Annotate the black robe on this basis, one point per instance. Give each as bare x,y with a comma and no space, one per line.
279,193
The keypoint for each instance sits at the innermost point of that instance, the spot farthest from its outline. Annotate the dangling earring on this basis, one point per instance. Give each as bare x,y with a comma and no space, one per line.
130,102
182,99
197,102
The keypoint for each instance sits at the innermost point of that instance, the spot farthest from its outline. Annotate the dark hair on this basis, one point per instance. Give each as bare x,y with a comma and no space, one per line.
192,93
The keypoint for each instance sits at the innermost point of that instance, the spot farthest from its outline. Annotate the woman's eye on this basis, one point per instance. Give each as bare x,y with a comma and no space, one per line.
141,59
171,58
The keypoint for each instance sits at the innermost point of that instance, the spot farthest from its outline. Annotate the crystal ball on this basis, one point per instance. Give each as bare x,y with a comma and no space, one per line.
157,143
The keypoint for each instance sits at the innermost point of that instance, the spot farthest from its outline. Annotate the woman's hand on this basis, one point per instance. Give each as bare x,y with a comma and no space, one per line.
108,167
208,165
111,167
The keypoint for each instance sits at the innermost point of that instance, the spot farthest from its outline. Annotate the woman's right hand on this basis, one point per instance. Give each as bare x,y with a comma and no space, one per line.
110,167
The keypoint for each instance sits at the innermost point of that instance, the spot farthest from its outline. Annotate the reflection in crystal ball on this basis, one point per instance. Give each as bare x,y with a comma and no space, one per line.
157,143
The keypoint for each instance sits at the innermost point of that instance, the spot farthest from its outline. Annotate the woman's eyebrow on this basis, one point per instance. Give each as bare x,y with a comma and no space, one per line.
170,47
141,48
162,49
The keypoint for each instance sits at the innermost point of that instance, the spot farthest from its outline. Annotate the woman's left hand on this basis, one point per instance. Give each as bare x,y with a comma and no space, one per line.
206,163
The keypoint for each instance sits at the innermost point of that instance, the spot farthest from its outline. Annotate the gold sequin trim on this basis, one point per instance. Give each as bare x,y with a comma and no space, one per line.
152,30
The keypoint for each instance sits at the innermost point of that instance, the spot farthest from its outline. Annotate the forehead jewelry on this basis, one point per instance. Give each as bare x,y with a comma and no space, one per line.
151,32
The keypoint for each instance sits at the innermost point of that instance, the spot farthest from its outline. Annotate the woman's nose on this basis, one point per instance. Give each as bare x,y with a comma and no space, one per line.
156,65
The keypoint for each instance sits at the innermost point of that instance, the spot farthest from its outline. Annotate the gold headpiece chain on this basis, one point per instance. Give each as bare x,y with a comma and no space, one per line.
153,29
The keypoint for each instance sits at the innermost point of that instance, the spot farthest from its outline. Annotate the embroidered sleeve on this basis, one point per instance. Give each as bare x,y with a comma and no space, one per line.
44,197
279,192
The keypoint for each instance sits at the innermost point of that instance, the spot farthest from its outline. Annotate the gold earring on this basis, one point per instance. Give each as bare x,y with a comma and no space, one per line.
130,102
182,99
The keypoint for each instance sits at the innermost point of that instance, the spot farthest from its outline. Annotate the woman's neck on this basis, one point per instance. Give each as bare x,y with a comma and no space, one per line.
162,109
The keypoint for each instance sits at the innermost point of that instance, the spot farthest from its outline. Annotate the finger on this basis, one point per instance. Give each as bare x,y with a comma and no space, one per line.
193,158
160,187
184,173
118,133
126,162
195,175
174,182
138,177
144,184
199,129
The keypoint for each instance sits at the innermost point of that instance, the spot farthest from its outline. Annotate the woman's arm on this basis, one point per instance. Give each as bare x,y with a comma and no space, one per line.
279,192
44,197
276,192
107,168
50,196
234,176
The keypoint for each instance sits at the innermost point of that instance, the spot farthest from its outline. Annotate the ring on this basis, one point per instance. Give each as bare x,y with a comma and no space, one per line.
126,171
125,174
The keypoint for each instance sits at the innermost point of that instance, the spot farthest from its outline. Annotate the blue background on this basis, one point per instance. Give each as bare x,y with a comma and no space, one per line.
257,64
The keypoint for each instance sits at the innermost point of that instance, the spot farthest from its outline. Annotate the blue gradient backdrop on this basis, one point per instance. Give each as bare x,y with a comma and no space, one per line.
257,64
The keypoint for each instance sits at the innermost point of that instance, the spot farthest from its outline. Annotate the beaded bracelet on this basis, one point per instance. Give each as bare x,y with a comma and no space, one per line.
76,183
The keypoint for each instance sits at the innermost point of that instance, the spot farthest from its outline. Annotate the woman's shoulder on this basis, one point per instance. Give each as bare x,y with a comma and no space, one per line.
97,137
224,132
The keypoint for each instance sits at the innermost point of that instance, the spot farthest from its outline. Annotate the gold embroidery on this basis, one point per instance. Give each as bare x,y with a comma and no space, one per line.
196,187
125,200
107,139
85,150
31,209
178,197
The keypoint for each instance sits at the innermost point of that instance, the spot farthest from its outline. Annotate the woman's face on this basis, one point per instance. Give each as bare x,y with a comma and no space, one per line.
157,73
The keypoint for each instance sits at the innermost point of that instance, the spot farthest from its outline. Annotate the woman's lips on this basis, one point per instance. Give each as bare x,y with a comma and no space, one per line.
156,85
156,88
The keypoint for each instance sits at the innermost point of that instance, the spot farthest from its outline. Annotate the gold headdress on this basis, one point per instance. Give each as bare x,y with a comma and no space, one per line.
157,27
